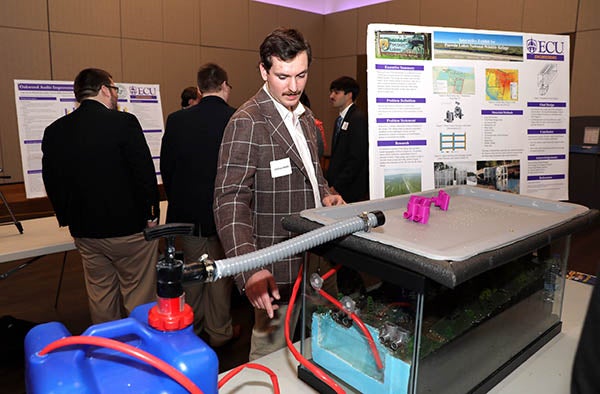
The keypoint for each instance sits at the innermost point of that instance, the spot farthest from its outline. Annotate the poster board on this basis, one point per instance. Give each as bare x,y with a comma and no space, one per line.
39,103
454,106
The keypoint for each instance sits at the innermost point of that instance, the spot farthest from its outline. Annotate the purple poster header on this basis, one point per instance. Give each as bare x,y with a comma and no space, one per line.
402,143
399,100
536,56
53,87
401,120
399,67
546,104
545,177
37,98
144,101
502,112
547,157
546,131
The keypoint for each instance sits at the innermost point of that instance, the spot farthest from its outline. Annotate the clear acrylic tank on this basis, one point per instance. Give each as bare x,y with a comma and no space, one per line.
451,306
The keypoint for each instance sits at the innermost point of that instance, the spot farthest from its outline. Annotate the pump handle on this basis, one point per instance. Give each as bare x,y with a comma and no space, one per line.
169,229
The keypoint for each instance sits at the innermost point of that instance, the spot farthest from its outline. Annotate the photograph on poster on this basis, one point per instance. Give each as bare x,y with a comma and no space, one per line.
501,175
398,181
403,45
477,46
454,173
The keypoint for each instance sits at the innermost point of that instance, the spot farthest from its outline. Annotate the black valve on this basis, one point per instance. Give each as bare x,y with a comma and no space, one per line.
169,269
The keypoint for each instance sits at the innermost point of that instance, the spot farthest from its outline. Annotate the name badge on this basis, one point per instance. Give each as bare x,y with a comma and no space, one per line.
281,167
345,126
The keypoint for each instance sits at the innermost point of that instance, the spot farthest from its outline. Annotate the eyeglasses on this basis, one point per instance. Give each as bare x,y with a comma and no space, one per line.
228,85
113,87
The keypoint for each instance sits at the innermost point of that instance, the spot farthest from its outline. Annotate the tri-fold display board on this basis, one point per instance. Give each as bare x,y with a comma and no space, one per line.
39,103
467,107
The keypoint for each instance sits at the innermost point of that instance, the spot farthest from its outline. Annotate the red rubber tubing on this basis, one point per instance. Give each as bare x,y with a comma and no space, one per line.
299,357
237,369
331,272
360,324
130,351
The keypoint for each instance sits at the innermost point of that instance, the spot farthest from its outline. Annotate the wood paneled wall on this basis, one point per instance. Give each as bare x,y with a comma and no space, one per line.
164,42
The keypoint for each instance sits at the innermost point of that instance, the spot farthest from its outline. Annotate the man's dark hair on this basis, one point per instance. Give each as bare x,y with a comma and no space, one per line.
347,85
89,81
284,44
189,93
210,78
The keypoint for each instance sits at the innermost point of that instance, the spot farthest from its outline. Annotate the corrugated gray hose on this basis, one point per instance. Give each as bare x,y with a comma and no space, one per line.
235,265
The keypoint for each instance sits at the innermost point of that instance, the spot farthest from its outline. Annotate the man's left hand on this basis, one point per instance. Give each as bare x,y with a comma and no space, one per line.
333,199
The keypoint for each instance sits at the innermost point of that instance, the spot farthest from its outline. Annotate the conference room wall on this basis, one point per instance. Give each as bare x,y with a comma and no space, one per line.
163,41
25,14
15,62
585,94
537,16
158,41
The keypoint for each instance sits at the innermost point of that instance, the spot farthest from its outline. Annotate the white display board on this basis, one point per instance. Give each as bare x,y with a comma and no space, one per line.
467,107
39,103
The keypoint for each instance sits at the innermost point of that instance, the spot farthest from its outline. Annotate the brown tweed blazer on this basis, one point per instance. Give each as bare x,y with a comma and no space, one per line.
249,202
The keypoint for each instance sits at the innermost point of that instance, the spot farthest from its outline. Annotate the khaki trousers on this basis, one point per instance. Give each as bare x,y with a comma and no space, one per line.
211,302
118,271
268,335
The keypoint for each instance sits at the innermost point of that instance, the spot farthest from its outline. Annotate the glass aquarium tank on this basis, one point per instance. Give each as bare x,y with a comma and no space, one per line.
392,319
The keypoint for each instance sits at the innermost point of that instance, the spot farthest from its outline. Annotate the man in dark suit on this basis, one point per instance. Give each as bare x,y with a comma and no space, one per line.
101,181
268,169
188,164
348,172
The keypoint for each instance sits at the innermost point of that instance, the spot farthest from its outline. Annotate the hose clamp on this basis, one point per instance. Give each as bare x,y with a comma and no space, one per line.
365,217
209,266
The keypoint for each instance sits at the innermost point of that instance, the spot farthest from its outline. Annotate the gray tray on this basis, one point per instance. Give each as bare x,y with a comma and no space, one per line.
478,220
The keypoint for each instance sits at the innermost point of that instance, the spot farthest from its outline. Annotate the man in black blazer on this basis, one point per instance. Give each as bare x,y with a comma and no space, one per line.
188,164
348,172
101,181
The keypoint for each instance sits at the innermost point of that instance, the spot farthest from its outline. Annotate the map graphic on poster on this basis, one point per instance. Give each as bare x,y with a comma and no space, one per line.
39,103
458,80
467,107
501,85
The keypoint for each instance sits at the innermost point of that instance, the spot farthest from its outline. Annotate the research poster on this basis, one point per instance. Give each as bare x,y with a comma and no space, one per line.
467,107
40,103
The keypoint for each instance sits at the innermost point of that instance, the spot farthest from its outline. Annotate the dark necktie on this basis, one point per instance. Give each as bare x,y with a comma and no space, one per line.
337,131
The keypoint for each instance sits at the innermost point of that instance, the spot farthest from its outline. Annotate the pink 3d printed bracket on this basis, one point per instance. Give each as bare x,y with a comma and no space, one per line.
417,209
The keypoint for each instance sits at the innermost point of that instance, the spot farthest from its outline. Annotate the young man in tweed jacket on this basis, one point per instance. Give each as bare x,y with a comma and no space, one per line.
268,169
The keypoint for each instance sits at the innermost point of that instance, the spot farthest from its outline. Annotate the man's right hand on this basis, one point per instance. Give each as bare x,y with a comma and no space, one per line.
262,290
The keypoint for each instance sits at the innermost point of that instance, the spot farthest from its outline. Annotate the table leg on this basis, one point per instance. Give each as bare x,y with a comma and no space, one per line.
19,267
60,278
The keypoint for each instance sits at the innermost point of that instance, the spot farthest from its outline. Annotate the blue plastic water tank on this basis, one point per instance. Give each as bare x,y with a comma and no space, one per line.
90,369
